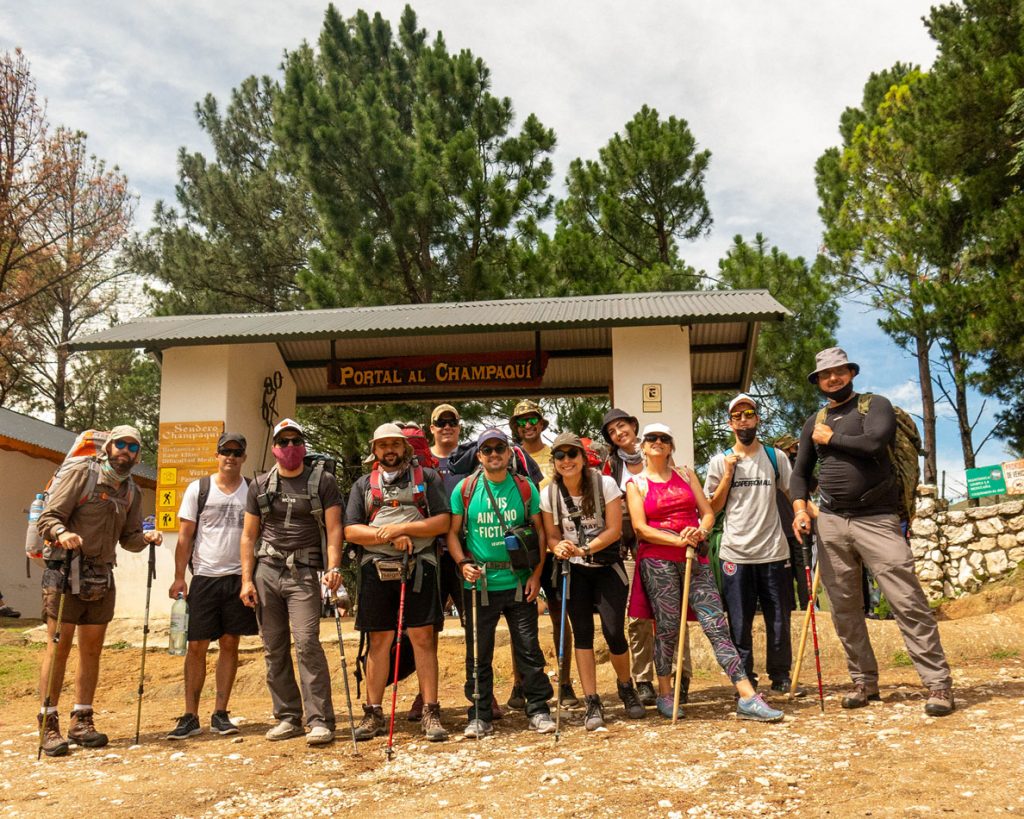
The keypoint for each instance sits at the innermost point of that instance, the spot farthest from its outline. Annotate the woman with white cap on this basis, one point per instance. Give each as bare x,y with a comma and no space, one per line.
671,514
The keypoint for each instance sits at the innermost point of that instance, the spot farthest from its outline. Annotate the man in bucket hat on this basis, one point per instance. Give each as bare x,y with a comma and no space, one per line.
859,525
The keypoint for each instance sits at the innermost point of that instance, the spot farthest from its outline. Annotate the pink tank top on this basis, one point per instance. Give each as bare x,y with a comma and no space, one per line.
670,505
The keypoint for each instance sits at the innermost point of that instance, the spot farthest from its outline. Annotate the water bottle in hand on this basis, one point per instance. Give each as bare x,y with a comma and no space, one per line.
179,627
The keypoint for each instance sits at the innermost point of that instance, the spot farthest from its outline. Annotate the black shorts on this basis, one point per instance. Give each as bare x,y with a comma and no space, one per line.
378,600
552,589
451,583
214,608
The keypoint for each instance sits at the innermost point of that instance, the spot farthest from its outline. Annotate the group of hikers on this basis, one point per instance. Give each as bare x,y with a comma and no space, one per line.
489,526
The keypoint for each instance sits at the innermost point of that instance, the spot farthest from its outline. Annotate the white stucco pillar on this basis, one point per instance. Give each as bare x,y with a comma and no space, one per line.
652,361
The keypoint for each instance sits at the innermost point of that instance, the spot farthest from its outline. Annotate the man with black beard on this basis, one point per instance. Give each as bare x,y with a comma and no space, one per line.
744,481
859,525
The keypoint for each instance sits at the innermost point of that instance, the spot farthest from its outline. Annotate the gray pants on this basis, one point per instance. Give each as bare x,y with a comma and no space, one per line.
877,541
640,634
290,609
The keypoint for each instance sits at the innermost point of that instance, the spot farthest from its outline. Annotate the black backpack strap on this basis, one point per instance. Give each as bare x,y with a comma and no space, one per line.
204,495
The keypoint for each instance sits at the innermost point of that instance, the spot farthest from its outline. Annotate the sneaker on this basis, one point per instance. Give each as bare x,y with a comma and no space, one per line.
567,697
542,723
53,743
416,712
940,702
517,700
372,724
595,713
433,730
478,728
220,723
285,729
83,731
860,696
631,701
188,726
319,735
665,705
496,712
758,710
7,611
645,690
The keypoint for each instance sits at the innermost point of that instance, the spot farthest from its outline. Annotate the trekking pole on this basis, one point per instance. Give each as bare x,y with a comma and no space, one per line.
561,649
681,647
335,601
812,596
389,750
150,575
65,570
476,657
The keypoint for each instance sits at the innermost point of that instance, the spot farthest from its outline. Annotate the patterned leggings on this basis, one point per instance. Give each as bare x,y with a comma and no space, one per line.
663,582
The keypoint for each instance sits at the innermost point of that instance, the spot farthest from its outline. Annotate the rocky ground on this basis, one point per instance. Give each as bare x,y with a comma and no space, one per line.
885,760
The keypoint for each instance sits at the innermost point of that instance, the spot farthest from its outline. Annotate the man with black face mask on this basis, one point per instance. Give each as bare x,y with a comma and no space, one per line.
743,481
859,525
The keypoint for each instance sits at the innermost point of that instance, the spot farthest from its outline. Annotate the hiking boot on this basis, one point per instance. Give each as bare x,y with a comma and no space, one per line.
188,726
83,730
567,697
372,724
860,696
631,701
595,713
645,690
433,730
53,743
758,710
220,723
781,686
496,712
542,723
416,712
665,706
319,735
940,702
7,611
517,700
285,729
478,728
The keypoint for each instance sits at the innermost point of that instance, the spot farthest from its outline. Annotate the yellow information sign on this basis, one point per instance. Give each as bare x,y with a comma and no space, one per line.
1013,472
188,451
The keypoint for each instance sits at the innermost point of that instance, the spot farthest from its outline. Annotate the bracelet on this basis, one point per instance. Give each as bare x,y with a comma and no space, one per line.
335,569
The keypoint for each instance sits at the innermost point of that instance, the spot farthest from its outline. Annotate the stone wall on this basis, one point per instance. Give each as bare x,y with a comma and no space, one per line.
958,551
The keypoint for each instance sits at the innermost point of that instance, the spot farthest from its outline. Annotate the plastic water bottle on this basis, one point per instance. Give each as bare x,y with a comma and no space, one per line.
33,540
179,627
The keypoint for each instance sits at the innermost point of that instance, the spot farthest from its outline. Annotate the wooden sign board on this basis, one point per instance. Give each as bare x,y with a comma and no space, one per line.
187,452
517,368
1013,474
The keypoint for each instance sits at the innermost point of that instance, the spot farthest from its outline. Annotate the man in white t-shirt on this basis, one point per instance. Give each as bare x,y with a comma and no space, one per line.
209,535
754,553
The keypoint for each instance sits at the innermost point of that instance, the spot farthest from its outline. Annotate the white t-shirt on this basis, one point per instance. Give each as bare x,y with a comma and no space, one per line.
590,525
216,546
752,532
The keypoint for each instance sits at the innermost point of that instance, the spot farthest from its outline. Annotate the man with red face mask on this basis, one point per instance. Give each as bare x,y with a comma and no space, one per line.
291,512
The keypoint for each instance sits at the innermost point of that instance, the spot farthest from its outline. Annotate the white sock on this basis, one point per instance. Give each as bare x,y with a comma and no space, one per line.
80,707
50,710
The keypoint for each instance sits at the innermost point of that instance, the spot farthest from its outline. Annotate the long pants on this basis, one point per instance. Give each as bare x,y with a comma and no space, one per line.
663,582
877,541
770,584
640,634
597,589
799,573
521,619
290,610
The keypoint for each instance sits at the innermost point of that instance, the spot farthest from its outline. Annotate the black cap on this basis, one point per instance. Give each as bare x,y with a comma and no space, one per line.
237,437
616,414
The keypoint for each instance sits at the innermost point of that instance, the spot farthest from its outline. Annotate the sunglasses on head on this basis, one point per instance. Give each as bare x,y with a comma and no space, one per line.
227,452
532,420
441,423
559,454
131,446
283,442
657,438
499,449
743,414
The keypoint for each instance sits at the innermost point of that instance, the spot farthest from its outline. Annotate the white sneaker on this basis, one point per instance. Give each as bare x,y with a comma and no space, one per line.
477,728
284,730
542,723
319,735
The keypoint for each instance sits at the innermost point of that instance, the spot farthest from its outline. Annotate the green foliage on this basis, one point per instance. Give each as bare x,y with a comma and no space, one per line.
1005,653
901,659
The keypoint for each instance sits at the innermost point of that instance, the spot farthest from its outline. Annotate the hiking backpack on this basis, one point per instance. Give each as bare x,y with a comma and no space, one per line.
904,452
269,485
523,484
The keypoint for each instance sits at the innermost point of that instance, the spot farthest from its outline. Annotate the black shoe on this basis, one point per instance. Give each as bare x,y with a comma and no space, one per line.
631,701
648,696
221,724
517,700
594,718
567,697
782,686
7,611
188,726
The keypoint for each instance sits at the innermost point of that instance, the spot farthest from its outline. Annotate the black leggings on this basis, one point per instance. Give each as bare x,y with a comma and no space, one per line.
599,588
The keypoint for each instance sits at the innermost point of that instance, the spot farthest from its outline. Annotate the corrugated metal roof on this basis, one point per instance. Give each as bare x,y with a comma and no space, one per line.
614,310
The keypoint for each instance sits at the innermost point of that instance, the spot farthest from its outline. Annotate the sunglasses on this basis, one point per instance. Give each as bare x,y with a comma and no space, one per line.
283,442
532,421
231,453
743,414
132,447
560,454
656,438
499,449
441,423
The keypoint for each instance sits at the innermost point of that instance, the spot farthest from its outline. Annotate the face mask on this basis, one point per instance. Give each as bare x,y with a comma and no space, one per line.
290,457
746,435
841,394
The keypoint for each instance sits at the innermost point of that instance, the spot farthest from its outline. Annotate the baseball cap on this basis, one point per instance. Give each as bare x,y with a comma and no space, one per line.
491,434
657,429
742,398
287,423
237,437
441,409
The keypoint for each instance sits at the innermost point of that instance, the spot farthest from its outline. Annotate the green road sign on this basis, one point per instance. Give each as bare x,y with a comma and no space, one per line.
987,480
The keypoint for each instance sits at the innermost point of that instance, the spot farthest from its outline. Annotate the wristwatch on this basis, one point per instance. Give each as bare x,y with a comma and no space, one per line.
335,569
59,530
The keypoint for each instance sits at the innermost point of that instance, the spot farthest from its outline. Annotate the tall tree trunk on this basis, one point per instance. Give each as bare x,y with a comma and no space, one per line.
959,367
60,381
924,374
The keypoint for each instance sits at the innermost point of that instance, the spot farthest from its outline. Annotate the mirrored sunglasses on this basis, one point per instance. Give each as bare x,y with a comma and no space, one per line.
131,446
745,415
529,421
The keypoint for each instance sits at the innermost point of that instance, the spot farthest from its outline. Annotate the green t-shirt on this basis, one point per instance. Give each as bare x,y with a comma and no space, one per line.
485,533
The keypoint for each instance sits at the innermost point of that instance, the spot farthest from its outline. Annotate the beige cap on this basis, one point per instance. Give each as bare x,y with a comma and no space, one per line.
441,409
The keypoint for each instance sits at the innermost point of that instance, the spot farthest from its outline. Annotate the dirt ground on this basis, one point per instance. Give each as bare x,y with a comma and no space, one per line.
886,760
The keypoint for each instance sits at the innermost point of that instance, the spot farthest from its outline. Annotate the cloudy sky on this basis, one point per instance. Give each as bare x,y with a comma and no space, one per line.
761,85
